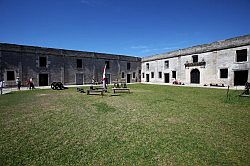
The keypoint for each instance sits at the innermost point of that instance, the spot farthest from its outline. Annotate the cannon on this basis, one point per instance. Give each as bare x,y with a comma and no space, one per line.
57,86
246,92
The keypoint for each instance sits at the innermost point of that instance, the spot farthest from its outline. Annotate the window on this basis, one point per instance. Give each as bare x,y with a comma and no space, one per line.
147,66
223,73
195,58
160,74
128,66
174,74
241,55
133,74
143,75
107,64
152,75
10,75
79,63
166,64
123,75
43,61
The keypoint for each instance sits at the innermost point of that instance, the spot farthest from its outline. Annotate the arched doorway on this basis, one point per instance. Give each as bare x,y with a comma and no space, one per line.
195,76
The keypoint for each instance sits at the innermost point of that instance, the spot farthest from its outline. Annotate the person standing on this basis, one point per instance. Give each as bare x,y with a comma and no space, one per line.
93,81
31,84
1,86
18,82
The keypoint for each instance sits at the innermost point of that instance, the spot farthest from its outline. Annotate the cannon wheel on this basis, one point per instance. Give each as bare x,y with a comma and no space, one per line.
53,86
60,85
57,86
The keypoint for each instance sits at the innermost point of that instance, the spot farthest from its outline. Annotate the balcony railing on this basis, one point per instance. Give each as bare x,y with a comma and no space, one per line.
202,63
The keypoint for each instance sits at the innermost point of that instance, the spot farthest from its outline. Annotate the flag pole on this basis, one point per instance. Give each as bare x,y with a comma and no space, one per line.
104,77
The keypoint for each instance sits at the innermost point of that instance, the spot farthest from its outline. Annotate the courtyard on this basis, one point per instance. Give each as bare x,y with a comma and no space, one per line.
153,125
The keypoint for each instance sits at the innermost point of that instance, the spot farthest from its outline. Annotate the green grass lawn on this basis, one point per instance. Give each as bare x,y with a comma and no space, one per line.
154,125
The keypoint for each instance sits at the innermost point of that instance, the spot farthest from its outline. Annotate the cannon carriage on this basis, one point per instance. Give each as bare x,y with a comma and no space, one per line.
57,86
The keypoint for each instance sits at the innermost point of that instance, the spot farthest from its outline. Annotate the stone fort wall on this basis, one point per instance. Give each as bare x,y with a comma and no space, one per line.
61,65
223,62
217,63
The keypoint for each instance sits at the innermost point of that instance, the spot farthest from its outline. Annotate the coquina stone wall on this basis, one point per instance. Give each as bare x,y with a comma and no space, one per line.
214,63
211,59
61,65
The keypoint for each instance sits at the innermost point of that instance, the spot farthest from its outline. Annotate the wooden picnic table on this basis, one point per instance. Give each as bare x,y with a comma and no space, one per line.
94,92
121,89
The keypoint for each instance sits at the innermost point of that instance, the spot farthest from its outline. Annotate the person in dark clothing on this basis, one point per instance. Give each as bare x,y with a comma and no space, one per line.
31,84
18,82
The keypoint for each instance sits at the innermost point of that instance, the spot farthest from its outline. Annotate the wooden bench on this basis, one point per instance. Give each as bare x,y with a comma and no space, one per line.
101,88
121,89
95,92
98,88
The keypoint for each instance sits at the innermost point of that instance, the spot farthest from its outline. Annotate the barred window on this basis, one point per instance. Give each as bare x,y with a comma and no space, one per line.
42,61
79,63
241,55
166,65
128,66
147,66
223,73
107,64
152,74
174,74
195,58
160,74
10,75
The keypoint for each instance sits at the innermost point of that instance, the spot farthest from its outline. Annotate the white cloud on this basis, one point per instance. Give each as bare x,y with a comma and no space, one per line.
139,47
152,50
170,48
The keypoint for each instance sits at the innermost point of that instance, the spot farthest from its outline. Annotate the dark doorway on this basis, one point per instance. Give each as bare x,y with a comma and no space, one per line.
147,77
195,76
43,80
240,77
128,78
108,78
79,79
174,74
166,77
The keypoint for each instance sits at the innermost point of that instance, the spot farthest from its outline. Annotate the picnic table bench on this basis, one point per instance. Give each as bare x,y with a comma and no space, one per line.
101,88
121,89
94,92
98,88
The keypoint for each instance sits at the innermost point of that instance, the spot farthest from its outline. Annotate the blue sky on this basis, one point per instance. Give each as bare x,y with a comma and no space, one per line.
129,27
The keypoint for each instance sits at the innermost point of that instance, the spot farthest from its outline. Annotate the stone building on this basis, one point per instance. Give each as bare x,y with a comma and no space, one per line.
46,65
224,62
